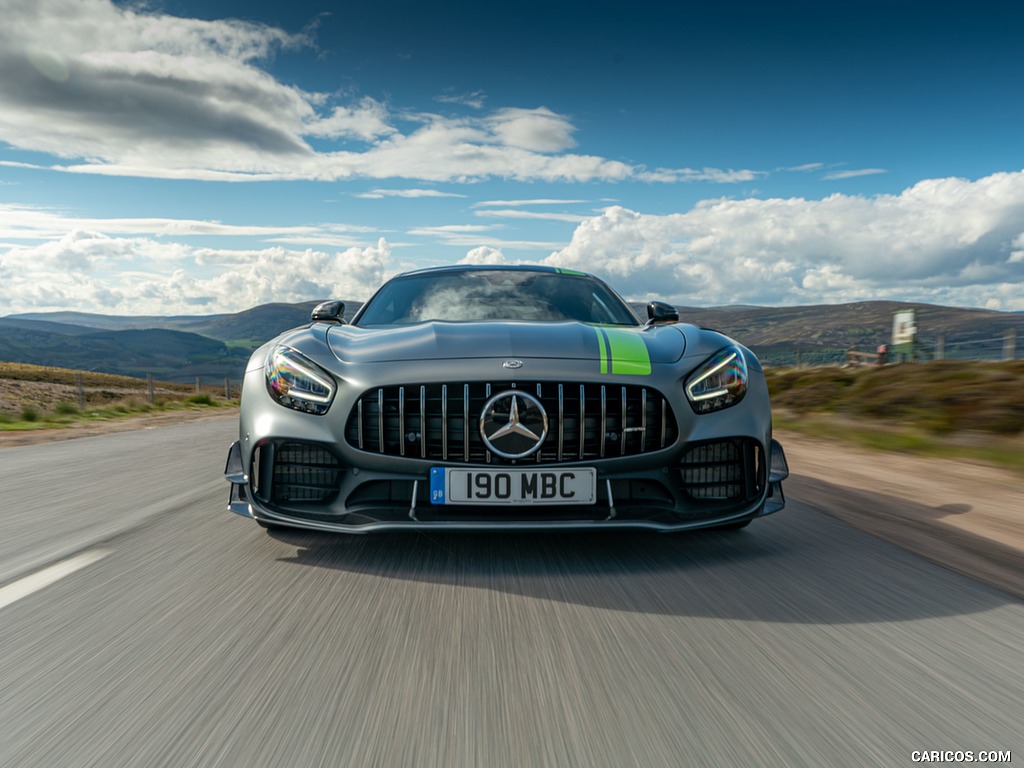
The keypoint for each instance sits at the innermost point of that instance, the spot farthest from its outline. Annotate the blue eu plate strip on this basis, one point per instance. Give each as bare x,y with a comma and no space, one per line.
437,486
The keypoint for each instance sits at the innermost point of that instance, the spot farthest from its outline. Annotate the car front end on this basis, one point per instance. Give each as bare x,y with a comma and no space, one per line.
504,425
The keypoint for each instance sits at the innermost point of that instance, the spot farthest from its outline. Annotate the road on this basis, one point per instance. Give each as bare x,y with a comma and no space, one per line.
177,634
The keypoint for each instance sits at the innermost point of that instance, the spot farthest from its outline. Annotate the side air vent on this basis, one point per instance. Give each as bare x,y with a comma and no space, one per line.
724,470
295,472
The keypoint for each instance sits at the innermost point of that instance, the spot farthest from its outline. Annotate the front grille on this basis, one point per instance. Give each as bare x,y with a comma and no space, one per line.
293,472
440,422
725,470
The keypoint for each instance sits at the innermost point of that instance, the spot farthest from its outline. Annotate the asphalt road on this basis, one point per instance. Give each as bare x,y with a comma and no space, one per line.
141,624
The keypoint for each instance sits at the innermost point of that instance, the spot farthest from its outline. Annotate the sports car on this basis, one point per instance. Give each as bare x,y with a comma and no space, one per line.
503,397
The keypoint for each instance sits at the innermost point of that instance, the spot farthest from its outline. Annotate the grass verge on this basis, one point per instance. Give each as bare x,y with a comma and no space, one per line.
953,409
40,397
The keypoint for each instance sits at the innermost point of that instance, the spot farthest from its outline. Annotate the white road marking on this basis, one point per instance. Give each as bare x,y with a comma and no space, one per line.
44,578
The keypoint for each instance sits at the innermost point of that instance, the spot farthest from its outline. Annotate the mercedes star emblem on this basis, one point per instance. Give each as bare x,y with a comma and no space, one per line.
513,424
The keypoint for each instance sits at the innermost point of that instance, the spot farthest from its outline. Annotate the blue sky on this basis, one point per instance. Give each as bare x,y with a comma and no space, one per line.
185,157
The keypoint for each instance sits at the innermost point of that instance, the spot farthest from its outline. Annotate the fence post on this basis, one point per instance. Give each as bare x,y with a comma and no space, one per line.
227,388
1010,344
197,385
149,387
940,347
81,391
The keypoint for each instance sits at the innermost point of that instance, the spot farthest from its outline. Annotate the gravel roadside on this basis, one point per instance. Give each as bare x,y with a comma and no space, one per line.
964,515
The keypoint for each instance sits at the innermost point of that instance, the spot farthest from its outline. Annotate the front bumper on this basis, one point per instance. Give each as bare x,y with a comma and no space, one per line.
336,498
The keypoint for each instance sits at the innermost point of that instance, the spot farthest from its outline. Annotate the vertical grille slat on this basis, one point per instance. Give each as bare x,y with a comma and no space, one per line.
359,417
444,422
582,426
465,422
423,422
623,425
561,420
444,419
380,418
401,421
643,421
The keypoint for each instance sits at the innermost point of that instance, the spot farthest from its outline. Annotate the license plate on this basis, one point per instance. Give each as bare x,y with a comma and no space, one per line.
513,486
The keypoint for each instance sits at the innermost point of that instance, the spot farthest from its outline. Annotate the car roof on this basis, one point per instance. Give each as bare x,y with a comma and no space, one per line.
496,268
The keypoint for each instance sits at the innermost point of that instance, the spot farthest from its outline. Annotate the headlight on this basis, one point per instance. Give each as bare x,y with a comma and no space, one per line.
296,382
719,382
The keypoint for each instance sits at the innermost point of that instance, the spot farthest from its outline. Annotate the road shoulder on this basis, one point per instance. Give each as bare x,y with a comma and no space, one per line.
963,515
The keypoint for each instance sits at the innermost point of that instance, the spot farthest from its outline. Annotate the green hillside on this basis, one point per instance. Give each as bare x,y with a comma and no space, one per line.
182,347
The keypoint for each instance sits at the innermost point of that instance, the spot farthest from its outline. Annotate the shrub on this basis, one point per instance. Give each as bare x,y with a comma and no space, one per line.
29,414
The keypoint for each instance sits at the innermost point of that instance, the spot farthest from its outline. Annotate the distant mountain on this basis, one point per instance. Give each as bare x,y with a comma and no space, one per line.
21,324
252,326
175,348
181,347
117,322
168,355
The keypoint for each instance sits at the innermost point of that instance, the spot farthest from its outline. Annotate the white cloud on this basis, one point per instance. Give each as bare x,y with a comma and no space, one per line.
483,255
942,240
537,130
837,175
951,241
379,194
473,99
34,223
450,229
91,271
805,168
121,90
513,213
1017,256
683,175
475,236
367,121
515,203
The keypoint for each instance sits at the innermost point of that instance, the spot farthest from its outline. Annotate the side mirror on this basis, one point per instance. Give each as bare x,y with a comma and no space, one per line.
329,312
659,312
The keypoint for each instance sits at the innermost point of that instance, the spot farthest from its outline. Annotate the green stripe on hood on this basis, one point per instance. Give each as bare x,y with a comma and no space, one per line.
626,352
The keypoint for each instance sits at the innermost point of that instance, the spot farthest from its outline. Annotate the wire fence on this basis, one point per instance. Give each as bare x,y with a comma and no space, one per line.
941,347
1001,348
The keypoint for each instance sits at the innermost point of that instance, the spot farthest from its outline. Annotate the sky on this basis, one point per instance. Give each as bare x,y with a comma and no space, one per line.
183,157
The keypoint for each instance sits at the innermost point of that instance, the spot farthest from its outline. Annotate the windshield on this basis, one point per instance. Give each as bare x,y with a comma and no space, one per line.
510,295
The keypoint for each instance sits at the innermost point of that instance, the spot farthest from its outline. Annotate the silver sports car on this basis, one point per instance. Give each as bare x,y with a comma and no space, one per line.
482,398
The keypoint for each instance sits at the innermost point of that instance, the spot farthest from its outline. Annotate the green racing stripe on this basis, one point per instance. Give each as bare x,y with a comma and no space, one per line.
623,352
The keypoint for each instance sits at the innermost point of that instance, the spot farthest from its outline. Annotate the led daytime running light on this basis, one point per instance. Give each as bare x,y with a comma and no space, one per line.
297,383
719,383
707,375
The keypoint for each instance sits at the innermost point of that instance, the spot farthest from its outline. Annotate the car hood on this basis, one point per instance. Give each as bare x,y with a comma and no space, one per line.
629,349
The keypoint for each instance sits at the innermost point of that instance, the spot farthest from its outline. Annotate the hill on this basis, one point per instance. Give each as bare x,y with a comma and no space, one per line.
823,333
166,354
179,348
